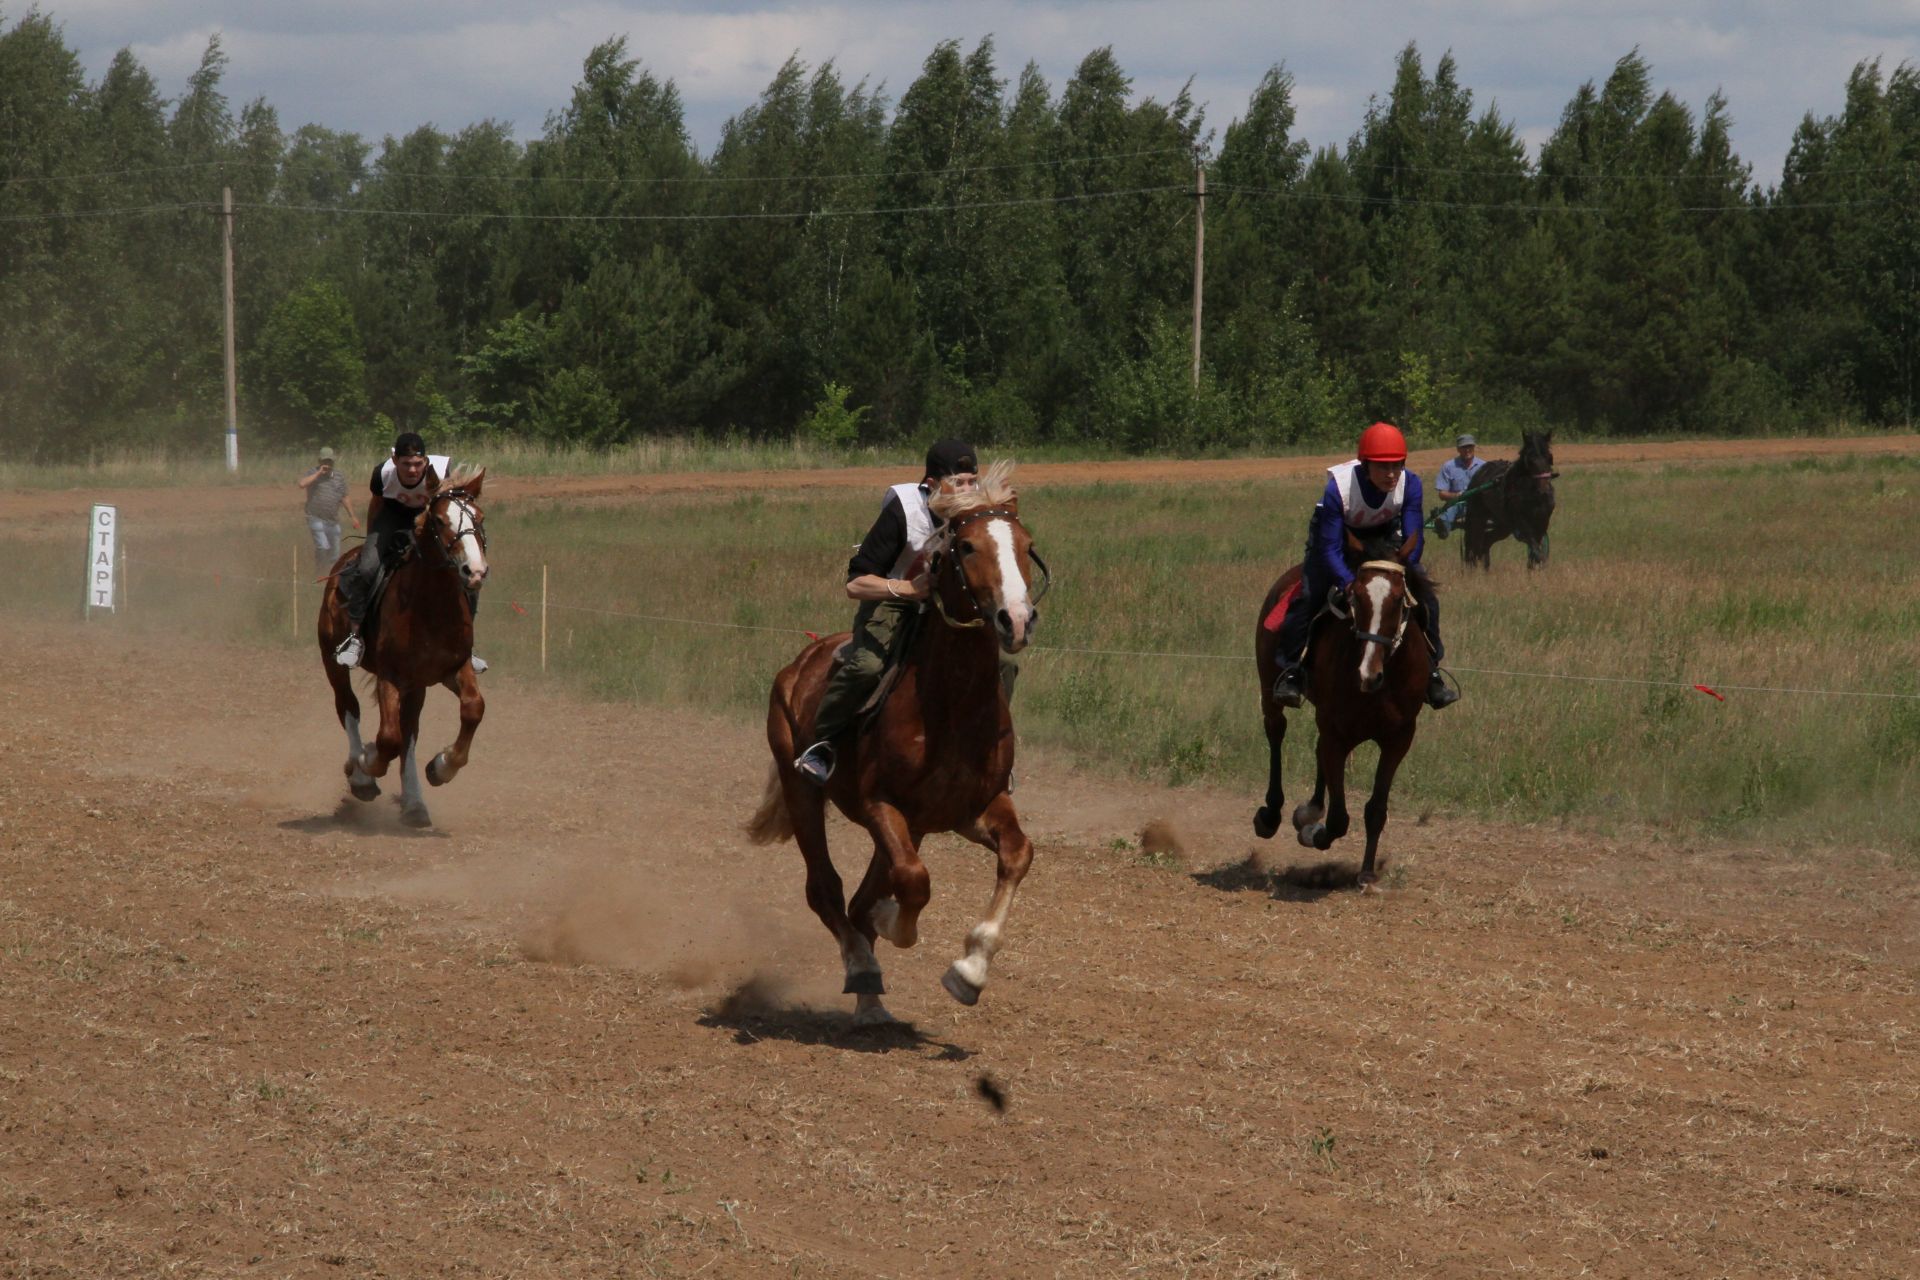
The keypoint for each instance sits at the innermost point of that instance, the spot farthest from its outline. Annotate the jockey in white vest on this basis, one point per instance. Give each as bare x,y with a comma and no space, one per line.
877,578
400,489
1372,495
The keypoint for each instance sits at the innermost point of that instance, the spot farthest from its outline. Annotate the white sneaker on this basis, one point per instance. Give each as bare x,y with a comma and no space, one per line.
348,654
479,663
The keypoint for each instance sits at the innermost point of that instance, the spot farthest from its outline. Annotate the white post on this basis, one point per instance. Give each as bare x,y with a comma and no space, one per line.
296,591
101,558
543,619
1199,261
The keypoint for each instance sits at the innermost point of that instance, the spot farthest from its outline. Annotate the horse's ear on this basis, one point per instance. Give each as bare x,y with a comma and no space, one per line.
473,486
1012,504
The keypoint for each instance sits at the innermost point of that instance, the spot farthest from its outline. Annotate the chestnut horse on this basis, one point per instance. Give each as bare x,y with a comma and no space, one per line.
424,637
1367,679
936,756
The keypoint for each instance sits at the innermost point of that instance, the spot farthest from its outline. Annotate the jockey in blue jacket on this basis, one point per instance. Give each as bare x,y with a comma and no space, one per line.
1372,495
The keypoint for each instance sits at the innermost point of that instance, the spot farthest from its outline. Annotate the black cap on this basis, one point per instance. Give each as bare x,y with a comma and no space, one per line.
408,443
951,458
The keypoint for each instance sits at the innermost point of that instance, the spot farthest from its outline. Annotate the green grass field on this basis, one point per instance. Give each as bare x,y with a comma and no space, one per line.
1777,576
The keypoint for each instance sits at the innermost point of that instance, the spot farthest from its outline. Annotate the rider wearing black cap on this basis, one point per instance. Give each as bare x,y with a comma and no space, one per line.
400,489
876,578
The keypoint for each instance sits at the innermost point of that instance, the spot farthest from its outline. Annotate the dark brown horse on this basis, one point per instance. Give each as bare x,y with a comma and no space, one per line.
1511,500
422,637
1367,679
936,756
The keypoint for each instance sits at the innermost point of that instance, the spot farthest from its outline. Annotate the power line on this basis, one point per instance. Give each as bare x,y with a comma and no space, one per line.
789,216
1334,197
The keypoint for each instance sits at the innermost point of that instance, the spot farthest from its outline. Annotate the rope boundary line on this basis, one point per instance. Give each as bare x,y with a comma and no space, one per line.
1704,686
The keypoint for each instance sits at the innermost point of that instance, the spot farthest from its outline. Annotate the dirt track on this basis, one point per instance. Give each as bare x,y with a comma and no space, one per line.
248,1027
155,506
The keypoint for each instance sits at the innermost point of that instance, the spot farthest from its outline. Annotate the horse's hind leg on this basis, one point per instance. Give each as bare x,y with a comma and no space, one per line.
1333,778
1310,813
807,809
999,830
453,759
413,804
1392,752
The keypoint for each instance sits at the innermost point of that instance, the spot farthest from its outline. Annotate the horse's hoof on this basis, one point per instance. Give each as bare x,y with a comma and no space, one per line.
1305,816
874,1015
1314,836
864,982
437,772
415,816
1265,822
367,790
967,993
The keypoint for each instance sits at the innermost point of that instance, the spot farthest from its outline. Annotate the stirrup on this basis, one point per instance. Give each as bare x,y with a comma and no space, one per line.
1439,694
1290,689
815,764
350,651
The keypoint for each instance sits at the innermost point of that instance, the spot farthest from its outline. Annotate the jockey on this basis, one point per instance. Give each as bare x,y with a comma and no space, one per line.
399,491
1373,494
888,599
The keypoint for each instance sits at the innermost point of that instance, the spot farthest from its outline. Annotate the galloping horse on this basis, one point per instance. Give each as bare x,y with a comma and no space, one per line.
1367,678
423,637
1512,499
936,756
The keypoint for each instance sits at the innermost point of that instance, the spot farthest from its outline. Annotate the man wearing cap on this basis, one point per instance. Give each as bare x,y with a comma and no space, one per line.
326,499
1455,478
1372,496
888,599
401,488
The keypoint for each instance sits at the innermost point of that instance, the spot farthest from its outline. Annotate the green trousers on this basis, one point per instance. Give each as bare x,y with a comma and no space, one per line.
878,626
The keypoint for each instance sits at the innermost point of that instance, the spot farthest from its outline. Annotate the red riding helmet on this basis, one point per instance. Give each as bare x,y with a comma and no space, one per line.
1382,442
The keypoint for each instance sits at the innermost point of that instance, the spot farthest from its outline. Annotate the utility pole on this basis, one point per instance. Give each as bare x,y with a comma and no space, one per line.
1199,262
233,397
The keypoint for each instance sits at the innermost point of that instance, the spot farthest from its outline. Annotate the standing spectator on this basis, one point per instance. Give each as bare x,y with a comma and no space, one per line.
1455,478
326,499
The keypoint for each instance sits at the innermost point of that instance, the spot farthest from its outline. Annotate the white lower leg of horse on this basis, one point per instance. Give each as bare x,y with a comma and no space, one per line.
984,939
884,916
355,750
857,954
410,795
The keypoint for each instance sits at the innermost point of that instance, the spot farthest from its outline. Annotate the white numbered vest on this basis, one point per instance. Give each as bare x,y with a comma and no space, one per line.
393,491
1346,480
913,501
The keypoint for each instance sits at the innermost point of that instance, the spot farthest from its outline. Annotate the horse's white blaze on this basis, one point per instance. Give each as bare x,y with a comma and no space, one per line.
460,520
1373,655
1013,587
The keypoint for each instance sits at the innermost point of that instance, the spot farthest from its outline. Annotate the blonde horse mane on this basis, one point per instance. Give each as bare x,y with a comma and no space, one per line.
995,489
462,476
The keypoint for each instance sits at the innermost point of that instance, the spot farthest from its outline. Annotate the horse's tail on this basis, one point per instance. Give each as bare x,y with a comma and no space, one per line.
771,823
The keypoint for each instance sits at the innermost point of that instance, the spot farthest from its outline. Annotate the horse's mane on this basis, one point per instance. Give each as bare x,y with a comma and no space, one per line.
995,489
461,477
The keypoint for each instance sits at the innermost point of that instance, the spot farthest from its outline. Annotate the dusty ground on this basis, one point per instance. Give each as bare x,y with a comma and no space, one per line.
249,1027
56,509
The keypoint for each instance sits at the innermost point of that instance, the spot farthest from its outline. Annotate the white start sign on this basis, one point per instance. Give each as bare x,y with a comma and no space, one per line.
100,555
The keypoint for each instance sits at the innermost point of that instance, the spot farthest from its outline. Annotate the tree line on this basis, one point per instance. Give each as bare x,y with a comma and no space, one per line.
983,257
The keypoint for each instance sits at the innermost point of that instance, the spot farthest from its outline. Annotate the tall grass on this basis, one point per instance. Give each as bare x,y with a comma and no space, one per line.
1790,578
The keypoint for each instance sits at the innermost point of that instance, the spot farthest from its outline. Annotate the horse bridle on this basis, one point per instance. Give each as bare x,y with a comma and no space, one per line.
952,532
463,500
1400,634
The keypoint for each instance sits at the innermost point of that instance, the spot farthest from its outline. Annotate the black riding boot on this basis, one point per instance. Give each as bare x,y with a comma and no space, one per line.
1439,693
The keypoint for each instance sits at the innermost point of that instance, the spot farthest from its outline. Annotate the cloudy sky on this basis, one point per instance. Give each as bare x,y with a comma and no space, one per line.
387,66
